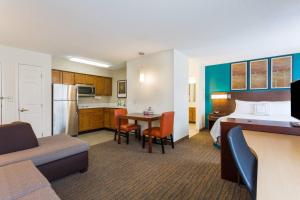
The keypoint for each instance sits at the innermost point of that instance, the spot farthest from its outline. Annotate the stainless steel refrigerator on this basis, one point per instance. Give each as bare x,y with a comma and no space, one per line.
64,110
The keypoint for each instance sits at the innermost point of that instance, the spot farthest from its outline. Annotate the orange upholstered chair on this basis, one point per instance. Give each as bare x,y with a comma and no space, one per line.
125,127
163,132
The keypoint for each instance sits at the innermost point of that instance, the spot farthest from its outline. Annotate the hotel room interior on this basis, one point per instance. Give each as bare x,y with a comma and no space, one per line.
134,99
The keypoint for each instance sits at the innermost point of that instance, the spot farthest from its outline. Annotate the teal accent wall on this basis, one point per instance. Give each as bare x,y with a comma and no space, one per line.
218,79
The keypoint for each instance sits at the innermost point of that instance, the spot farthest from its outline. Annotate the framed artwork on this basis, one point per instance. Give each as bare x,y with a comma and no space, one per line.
239,76
281,72
259,74
122,89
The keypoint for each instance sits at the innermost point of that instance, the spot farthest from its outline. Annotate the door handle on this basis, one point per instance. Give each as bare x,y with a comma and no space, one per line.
23,110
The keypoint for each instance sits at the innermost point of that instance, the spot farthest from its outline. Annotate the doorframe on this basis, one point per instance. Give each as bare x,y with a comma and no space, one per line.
1,94
42,92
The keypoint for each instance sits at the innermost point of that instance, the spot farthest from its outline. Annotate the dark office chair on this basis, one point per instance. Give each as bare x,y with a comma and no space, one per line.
244,159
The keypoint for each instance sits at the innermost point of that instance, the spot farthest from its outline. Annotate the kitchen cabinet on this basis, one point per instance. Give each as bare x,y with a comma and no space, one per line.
100,85
106,118
56,76
103,85
68,78
80,78
90,80
112,118
90,119
108,87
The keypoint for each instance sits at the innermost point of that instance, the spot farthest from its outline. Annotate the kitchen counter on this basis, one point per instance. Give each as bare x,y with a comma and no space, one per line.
99,105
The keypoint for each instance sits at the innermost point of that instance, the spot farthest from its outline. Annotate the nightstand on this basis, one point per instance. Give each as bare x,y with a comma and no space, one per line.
212,118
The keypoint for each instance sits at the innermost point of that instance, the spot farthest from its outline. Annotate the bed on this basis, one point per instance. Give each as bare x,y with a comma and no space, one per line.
256,110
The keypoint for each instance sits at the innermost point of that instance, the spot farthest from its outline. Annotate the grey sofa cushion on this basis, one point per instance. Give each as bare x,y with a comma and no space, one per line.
16,136
46,193
19,179
50,149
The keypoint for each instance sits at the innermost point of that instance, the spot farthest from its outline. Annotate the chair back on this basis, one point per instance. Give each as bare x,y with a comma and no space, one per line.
244,159
166,124
117,113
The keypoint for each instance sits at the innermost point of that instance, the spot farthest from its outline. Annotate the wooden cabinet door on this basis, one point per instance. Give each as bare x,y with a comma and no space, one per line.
106,118
56,76
108,86
80,78
84,120
68,78
112,118
97,119
100,84
90,80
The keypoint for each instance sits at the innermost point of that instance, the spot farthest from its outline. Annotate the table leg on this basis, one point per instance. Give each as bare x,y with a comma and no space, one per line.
150,137
119,131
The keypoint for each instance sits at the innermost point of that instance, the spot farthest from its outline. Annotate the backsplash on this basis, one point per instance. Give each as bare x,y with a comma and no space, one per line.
104,99
86,100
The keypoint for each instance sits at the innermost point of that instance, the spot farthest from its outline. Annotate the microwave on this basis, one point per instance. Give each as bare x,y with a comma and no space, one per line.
86,90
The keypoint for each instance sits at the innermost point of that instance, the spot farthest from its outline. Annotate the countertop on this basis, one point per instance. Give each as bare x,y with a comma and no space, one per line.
99,105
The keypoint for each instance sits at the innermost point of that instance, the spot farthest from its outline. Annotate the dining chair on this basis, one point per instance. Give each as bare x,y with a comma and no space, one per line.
125,127
244,159
163,132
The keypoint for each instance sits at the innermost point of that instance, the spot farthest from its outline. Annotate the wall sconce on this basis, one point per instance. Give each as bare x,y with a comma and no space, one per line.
220,96
142,77
192,80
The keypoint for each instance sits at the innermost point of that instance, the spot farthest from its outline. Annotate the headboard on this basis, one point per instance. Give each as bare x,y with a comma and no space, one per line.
228,105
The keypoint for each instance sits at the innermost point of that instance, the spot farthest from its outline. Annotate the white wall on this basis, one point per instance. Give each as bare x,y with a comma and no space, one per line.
159,87
118,74
197,71
10,58
180,94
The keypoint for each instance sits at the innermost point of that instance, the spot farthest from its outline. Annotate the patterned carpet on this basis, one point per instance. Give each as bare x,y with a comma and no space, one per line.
190,171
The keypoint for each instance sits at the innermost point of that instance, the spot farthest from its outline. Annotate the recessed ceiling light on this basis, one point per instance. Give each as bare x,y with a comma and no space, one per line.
89,62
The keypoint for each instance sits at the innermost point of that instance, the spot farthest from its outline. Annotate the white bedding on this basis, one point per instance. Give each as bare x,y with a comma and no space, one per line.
216,129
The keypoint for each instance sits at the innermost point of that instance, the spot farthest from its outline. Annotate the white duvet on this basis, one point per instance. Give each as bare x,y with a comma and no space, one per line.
216,129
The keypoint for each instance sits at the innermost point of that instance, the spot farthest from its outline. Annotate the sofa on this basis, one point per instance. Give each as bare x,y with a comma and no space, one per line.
23,181
54,156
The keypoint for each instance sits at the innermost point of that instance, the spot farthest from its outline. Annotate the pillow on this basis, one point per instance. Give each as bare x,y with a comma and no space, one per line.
16,136
280,108
261,109
244,107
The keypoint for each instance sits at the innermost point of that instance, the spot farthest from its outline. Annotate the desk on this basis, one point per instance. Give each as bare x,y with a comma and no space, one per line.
140,117
228,169
278,174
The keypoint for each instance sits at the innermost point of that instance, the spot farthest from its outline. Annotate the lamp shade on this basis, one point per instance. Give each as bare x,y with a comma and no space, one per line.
220,96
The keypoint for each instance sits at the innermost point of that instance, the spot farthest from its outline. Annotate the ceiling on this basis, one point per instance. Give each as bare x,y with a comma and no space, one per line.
114,31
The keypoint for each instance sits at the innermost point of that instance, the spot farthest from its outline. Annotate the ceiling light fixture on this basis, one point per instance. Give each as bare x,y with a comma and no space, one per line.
89,62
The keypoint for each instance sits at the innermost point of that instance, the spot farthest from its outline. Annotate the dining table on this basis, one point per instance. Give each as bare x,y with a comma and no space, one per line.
140,117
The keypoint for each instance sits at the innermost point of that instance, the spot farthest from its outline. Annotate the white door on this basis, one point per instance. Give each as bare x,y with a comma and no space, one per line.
30,97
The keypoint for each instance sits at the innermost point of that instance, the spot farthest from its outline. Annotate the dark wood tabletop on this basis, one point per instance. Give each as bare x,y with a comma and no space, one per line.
141,117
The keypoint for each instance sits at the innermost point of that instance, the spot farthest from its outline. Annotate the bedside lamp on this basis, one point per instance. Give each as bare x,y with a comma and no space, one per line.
220,96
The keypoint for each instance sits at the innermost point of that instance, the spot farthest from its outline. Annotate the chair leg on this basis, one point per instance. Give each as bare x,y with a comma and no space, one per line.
144,141
139,132
115,138
162,145
172,141
127,138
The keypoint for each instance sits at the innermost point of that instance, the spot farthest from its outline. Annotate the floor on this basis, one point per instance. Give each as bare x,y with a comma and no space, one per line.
97,137
120,171
102,136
